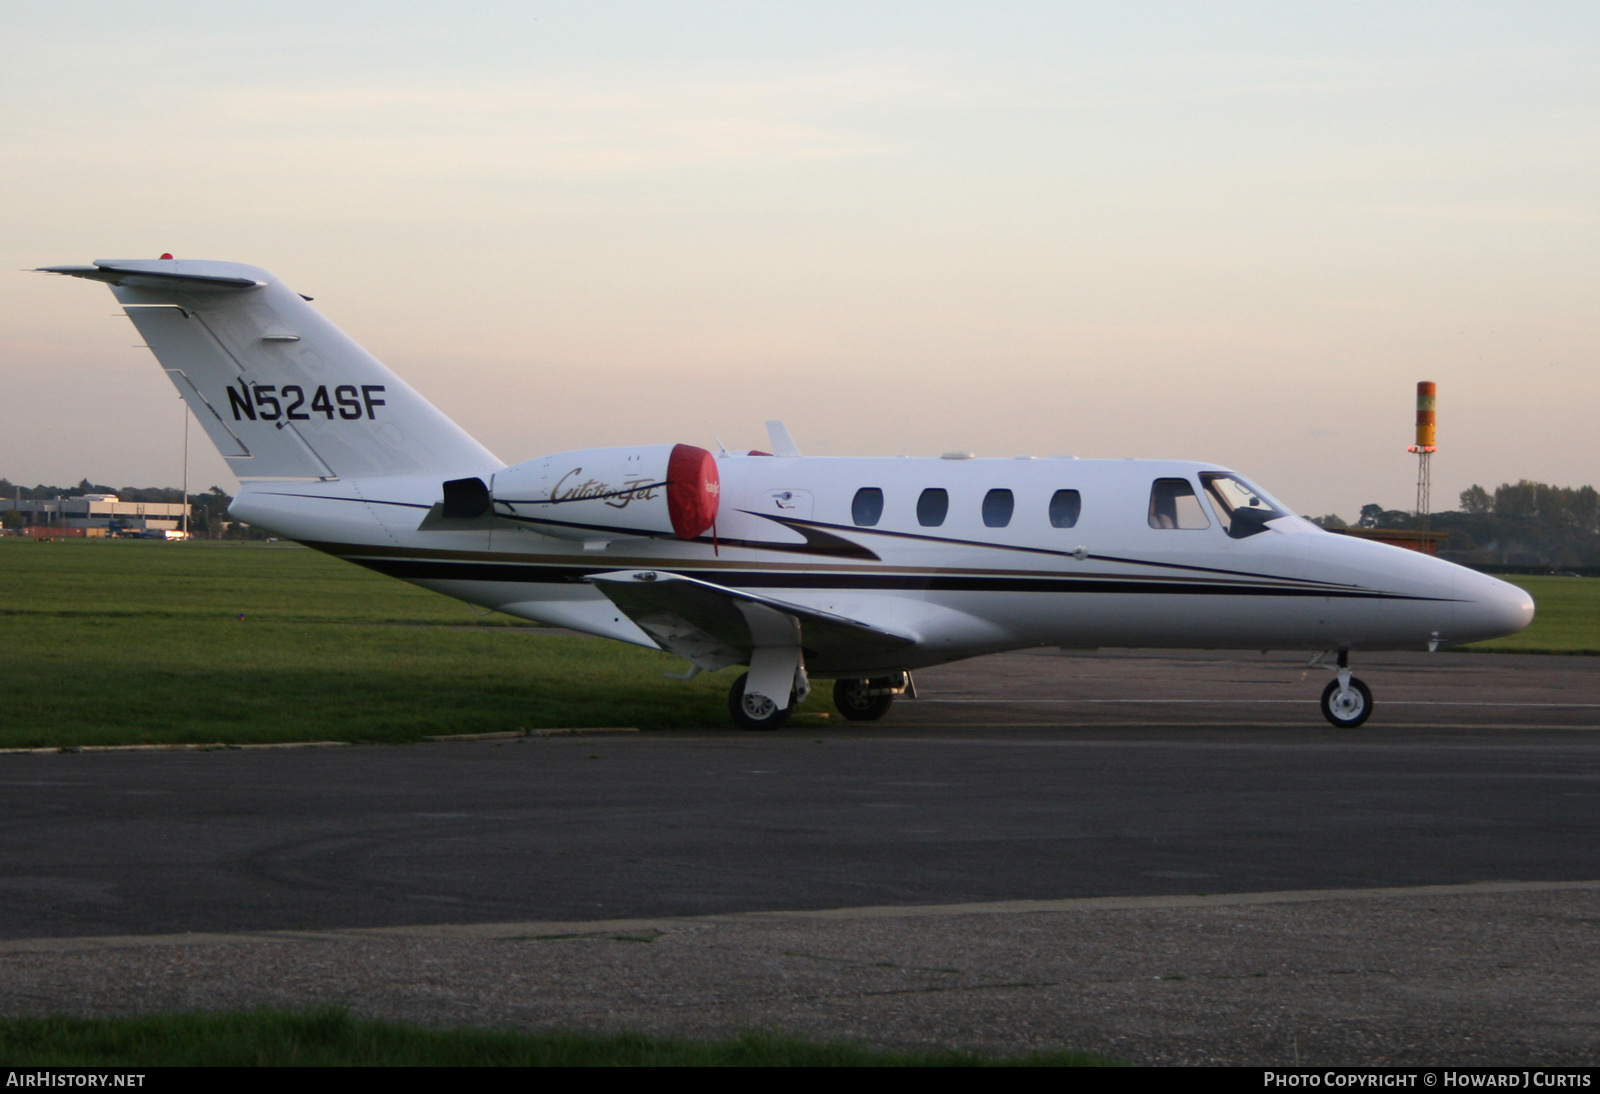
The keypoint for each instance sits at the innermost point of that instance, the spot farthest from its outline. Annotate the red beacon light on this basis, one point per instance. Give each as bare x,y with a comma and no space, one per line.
166,256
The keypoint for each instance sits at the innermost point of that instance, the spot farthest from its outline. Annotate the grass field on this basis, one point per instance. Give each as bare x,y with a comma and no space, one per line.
1567,621
332,1038
113,642
109,642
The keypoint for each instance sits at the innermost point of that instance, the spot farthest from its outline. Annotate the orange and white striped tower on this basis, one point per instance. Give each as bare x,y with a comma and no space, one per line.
1427,444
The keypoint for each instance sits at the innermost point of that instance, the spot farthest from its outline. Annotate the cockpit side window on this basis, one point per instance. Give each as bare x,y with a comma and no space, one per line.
932,506
1173,505
1242,508
866,509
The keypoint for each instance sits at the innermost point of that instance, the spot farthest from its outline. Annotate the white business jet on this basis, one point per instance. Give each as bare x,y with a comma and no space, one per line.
858,570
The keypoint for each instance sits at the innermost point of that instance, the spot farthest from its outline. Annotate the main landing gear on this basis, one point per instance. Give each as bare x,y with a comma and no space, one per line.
1346,701
774,671
857,700
869,700
754,711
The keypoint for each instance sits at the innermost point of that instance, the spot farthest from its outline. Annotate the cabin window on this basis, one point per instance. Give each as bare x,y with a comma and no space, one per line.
997,507
1242,508
867,508
932,506
1173,505
1065,505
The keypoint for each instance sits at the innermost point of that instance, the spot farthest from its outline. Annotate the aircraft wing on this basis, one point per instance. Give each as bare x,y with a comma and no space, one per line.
713,626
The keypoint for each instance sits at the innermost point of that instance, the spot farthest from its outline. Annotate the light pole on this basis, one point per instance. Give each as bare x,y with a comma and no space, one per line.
185,510
1426,446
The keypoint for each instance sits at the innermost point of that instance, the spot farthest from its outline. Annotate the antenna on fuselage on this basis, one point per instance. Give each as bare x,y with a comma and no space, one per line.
782,443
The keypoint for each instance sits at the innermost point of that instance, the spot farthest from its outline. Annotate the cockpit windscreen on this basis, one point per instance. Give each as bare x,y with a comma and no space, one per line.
1244,509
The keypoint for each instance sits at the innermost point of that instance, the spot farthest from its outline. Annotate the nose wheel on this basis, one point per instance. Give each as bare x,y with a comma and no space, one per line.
1346,702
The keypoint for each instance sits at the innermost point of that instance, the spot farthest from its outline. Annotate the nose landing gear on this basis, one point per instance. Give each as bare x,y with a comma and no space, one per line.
1346,701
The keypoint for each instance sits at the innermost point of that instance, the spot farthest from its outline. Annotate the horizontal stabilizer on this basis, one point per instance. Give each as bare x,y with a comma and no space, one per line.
713,626
169,275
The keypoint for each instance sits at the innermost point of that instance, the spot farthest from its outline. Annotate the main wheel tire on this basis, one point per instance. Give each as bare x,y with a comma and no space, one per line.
755,711
854,702
1350,709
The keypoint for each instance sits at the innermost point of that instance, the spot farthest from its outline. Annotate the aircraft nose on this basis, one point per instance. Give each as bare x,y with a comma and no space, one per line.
1494,609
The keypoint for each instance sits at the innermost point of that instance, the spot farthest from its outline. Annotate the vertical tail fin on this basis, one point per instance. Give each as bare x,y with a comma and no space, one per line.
281,392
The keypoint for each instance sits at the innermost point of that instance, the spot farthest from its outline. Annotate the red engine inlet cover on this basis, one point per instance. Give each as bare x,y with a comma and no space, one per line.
693,490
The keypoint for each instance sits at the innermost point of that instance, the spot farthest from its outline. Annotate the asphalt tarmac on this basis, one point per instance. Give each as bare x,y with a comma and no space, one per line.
1167,858
1042,775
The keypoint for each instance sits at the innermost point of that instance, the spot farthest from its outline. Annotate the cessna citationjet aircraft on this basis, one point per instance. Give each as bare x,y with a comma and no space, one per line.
858,570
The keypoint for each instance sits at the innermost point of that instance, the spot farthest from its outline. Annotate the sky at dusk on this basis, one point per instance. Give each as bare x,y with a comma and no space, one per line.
1228,232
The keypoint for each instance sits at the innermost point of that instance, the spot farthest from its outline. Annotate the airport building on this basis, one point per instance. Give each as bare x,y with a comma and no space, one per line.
102,514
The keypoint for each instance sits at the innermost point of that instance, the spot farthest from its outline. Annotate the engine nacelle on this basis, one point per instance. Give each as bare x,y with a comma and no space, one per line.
654,491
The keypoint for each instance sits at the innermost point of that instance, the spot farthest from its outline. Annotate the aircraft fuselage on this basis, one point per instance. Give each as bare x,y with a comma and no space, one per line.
961,587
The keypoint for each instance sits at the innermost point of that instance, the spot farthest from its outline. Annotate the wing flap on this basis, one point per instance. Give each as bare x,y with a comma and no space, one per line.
713,626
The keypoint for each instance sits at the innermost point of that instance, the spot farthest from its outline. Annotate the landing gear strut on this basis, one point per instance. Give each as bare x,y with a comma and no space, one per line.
1346,701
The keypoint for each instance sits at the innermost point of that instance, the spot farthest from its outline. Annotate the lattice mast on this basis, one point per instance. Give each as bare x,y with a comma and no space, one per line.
1424,448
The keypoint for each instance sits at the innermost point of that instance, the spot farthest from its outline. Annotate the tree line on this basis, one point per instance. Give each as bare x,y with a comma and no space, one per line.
1520,524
